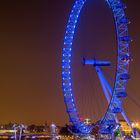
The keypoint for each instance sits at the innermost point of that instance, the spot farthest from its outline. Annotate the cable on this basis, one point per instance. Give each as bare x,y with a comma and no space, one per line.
134,101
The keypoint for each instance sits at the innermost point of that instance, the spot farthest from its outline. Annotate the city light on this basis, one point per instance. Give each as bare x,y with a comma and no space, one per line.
135,125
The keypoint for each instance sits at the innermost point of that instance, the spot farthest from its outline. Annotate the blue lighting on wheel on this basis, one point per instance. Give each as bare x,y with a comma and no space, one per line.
122,74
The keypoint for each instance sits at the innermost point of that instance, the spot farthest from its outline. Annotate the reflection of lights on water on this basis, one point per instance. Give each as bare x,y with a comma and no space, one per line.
33,137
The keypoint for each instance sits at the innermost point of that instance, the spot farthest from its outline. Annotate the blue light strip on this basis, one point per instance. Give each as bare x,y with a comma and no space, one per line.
122,66
66,69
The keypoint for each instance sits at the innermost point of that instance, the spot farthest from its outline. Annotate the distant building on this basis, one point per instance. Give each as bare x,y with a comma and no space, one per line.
125,127
87,121
53,128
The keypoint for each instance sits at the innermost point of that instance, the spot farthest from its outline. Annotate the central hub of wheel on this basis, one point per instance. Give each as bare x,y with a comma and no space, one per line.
96,62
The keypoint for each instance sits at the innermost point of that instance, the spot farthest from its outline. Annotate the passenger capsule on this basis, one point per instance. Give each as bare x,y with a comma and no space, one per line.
125,76
121,94
116,110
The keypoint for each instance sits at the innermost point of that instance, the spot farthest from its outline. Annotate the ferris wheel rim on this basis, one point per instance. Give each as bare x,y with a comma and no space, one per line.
66,62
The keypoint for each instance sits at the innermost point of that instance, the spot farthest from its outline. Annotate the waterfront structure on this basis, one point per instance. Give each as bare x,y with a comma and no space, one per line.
114,95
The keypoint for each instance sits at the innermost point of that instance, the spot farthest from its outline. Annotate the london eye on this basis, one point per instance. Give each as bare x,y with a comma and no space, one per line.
114,94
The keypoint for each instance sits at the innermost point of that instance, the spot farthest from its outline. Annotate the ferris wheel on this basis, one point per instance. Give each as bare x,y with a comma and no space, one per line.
114,96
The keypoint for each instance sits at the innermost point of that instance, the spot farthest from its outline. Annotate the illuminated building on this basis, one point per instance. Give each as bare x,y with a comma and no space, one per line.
125,128
87,121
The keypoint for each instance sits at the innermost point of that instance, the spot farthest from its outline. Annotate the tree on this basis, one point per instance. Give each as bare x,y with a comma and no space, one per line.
64,131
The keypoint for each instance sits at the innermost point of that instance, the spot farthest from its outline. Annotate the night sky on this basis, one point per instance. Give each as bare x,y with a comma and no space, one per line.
31,40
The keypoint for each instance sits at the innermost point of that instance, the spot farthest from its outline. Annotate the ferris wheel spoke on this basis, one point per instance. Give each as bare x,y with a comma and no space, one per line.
107,85
126,118
107,95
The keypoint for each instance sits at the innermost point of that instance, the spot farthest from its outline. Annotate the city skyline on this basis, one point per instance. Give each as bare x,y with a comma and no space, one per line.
31,41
